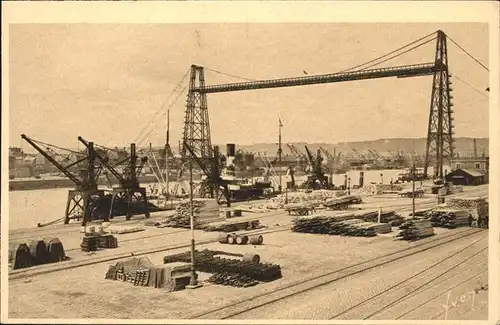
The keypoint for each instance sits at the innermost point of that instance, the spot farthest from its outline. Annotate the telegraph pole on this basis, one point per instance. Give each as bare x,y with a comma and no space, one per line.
413,189
279,152
193,283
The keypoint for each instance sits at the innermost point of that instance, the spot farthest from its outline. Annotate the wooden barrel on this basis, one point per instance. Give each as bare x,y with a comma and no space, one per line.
237,213
230,239
256,239
249,257
241,240
223,238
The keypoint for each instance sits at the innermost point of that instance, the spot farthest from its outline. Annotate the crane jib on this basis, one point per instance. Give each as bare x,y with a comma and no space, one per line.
399,71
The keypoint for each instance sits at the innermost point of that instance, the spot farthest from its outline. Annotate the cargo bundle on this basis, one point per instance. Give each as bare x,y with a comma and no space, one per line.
220,262
415,229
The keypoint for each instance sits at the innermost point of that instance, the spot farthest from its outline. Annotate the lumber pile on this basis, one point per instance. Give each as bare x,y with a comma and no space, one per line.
204,212
207,261
377,189
449,218
232,279
387,217
337,224
315,197
232,225
415,229
477,205
120,230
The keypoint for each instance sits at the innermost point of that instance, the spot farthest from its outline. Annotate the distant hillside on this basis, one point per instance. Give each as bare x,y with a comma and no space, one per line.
464,146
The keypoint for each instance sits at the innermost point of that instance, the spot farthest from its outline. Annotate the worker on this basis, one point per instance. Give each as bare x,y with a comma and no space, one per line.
391,184
470,220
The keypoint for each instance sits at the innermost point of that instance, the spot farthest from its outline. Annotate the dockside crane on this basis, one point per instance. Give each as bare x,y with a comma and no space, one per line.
129,187
301,157
317,178
85,201
214,184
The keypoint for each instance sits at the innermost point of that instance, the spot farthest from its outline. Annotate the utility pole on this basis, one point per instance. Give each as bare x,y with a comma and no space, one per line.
167,149
413,189
193,283
279,153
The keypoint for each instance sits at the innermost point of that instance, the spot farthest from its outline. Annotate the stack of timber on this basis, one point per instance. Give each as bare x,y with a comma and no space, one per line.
120,230
204,212
477,206
315,197
415,229
387,217
421,214
234,224
449,218
344,224
232,279
134,270
377,189
212,262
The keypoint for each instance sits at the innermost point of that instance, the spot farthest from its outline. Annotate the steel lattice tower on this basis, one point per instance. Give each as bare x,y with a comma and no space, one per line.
196,122
440,128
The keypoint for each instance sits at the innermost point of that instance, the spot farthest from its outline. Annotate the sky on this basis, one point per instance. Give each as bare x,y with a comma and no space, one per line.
107,82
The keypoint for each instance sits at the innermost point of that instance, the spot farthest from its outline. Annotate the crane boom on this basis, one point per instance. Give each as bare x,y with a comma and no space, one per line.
104,161
63,169
398,71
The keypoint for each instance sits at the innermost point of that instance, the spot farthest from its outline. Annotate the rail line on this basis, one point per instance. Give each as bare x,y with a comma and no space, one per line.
267,298
51,268
403,284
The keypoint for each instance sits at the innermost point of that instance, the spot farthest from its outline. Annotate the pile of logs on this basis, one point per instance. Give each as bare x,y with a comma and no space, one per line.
449,218
389,217
202,213
376,189
314,197
478,205
341,224
232,279
415,229
233,226
207,261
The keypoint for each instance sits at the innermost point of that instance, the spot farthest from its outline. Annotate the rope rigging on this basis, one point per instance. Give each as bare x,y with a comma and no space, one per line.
470,55
392,52
230,75
161,109
142,139
471,86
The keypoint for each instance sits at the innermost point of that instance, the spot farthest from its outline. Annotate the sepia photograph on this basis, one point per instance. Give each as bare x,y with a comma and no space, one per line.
249,170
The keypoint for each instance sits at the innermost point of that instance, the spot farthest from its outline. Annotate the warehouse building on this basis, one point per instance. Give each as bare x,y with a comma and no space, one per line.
466,177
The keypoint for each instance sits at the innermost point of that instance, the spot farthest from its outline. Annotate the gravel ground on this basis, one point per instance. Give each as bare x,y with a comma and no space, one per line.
331,300
84,293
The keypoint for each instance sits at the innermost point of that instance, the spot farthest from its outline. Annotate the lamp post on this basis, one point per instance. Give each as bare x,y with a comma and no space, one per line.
413,190
193,283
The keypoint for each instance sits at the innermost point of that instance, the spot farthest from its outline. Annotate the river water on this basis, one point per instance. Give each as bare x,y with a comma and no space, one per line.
28,208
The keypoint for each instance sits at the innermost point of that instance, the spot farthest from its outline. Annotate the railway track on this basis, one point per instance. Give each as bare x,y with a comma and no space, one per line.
294,289
56,267
415,284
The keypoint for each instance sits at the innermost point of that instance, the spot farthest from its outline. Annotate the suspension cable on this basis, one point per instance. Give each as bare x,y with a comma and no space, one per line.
54,146
163,114
395,56
385,55
470,55
471,86
161,108
230,75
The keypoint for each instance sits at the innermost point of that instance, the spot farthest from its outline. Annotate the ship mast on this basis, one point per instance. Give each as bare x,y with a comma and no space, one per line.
279,152
167,149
